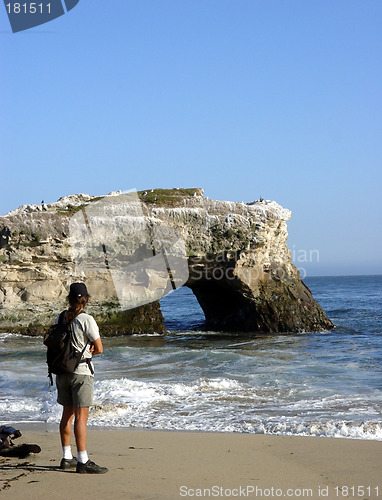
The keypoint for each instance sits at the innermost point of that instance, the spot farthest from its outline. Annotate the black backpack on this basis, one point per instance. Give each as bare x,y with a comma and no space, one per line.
61,355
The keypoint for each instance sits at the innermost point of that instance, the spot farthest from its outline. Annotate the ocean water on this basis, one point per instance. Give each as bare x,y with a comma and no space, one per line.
320,384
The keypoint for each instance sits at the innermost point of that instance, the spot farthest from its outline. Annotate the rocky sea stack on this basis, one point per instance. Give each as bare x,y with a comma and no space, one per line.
237,261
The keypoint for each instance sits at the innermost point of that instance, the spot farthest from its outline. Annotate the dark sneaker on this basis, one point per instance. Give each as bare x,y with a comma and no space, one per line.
90,468
68,463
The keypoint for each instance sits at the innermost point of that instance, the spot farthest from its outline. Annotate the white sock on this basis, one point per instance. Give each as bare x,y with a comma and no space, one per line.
82,457
67,452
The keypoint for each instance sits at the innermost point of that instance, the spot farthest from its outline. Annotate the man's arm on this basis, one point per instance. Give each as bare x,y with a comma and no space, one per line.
96,347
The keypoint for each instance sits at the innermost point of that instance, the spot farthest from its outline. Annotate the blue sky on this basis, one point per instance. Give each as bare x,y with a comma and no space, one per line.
278,98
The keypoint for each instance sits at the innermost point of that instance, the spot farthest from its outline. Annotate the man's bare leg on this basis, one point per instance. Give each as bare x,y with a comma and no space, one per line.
66,425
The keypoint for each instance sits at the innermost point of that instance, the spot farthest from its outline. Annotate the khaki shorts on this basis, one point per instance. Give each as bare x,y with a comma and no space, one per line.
75,390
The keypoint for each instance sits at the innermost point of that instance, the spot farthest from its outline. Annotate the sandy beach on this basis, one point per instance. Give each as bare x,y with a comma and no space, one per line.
170,465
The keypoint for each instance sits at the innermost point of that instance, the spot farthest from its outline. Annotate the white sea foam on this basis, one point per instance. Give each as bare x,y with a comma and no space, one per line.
217,404
147,335
5,335
212,405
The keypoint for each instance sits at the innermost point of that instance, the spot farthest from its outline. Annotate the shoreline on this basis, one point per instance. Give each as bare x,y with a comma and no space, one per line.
154,464
52,427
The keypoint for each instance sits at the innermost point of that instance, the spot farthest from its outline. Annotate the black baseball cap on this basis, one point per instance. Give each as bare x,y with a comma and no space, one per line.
78,290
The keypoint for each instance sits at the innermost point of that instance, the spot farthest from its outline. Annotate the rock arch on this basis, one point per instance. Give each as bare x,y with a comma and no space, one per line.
240,267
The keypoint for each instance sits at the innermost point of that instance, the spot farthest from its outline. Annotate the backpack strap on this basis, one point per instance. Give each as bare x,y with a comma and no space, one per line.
82,353
89,363
86,360
61,317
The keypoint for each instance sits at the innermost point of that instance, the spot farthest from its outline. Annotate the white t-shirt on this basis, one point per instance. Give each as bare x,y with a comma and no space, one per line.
85,329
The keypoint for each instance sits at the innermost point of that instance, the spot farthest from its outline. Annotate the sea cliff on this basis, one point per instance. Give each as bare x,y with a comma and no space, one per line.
238,266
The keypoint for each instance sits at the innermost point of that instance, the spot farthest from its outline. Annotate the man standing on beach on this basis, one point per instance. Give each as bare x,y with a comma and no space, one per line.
75,390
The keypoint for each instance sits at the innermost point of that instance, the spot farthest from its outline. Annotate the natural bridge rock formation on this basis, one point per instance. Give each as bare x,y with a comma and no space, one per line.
239,266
